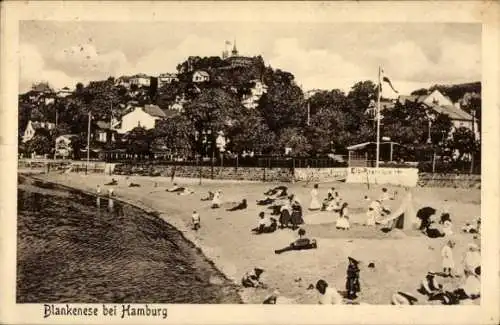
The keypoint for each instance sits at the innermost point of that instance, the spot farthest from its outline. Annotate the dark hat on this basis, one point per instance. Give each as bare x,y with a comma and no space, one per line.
352,260
371,265
258,270
477,270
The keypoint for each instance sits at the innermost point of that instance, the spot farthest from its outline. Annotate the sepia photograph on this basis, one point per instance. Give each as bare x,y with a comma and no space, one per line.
249,162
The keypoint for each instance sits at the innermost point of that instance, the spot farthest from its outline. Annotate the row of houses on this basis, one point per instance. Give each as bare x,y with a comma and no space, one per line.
435,103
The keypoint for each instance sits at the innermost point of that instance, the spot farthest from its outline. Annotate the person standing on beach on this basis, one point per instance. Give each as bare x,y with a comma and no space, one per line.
448,262
315,205
196,220
352,281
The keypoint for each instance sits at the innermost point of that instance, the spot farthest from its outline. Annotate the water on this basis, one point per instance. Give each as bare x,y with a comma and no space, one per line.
78,248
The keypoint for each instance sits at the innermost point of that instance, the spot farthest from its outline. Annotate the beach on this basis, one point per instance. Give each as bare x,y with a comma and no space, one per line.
401,259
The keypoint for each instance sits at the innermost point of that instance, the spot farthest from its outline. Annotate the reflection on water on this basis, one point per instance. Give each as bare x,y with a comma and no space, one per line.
111,205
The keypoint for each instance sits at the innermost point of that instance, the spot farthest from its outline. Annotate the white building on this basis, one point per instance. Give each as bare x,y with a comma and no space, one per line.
145,117
201,76
166,78
141,80
64,92
33,127
442,104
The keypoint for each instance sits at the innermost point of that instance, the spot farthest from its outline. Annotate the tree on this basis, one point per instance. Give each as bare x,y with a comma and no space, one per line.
283,105
440,128
213,110
138,140
40,144
176,134
294,139
464,142
420,92
406,123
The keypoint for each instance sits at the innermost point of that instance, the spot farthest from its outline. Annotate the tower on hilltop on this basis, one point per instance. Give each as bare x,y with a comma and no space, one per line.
234,52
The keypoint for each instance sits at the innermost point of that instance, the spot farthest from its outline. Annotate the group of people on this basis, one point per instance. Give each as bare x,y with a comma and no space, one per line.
289,210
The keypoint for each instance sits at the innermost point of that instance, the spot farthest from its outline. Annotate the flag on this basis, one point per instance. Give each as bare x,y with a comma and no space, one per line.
386,79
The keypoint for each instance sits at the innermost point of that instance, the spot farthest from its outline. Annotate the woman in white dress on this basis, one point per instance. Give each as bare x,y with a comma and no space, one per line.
343,220
315,204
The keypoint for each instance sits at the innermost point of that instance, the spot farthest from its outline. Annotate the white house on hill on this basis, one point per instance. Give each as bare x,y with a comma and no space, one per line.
145,117
33,127
201,76
442,104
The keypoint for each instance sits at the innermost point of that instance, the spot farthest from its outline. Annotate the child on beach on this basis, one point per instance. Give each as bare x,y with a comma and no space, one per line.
448,262
196,220
472,258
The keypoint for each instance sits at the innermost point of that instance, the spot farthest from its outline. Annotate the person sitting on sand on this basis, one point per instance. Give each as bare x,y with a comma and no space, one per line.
266,201
384,196
471,288
429,285
252,279
113,182
209,197
403,298
315,205
196,220
326,202
276,190
240,206
285,214
175,188
186,191
370,217
277,299
472,258
332,205
343,219
328,295
134,185
296,217
265,225
216,201
300,244
447,228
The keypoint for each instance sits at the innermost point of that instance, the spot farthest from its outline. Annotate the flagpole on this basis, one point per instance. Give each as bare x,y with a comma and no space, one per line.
88,144
378,119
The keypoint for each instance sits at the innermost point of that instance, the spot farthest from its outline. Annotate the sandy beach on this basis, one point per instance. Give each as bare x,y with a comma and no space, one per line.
401,259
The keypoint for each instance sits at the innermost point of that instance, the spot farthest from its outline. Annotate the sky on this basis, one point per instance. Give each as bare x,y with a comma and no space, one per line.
320,55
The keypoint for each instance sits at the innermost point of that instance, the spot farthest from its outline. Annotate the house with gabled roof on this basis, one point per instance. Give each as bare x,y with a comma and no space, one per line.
145,117
33,127
201,76
439,103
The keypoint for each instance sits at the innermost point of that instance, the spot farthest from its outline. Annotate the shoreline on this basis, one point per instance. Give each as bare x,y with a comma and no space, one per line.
183,231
